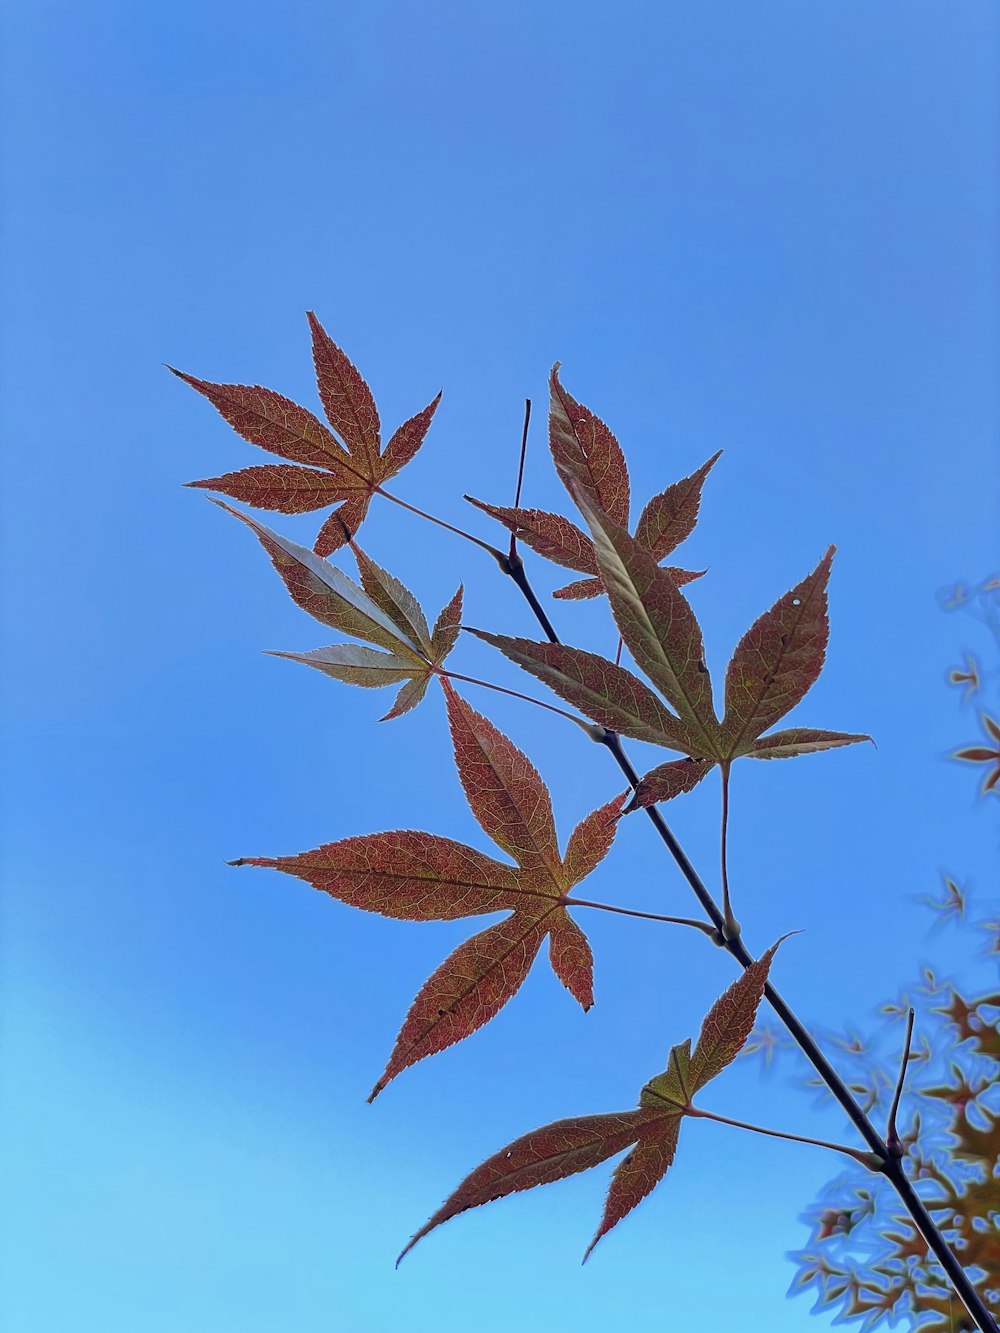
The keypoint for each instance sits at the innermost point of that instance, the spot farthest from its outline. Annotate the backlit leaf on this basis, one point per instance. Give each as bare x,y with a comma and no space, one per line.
355,663
777,660
584,589
419,877
447,627
325,592
469,988
801,740
383,612
539,1158
342,524
639,1174
280,486
551,535
587,455
569,1146
584,448
405,441
504,789
395,599
608,694
729,1022
351,474
658,626
667,781
346,398
671,516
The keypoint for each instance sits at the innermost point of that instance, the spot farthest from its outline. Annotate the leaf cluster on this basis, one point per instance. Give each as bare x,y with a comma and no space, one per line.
667,700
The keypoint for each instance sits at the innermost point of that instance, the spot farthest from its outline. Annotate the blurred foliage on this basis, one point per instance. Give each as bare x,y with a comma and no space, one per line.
863,1259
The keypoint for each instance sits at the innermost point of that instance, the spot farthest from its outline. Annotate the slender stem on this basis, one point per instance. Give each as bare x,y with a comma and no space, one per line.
863,1158
449,527
516,694
618,650
646,916
520,472
891,1135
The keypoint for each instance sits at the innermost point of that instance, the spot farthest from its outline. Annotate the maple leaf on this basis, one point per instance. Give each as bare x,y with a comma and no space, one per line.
584,448
382,611
774,665
415,876
345,465
651,1130
982,754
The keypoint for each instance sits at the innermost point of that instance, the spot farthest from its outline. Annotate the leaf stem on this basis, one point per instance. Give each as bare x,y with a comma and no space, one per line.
891,1134
646,916
498,556
588,727
870,1160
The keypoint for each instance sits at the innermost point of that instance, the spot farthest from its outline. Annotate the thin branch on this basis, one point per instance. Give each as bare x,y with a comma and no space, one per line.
891,1135
520,472
870,1160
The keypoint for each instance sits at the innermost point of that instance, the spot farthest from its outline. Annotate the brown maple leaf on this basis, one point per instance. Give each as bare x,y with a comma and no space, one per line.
774,665
583,446
415,876
346,464
570,1146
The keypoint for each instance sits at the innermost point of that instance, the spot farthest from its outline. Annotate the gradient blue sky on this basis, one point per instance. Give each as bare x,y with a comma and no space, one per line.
767,228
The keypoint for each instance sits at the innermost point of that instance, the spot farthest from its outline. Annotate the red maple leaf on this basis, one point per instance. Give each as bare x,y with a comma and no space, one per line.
346,464
415,876
774,665
570,1146
583,446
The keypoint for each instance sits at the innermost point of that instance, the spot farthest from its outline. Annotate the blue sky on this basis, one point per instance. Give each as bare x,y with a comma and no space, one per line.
768,229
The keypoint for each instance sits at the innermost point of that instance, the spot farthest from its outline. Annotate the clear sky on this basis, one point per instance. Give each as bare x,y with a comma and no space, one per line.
767,228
